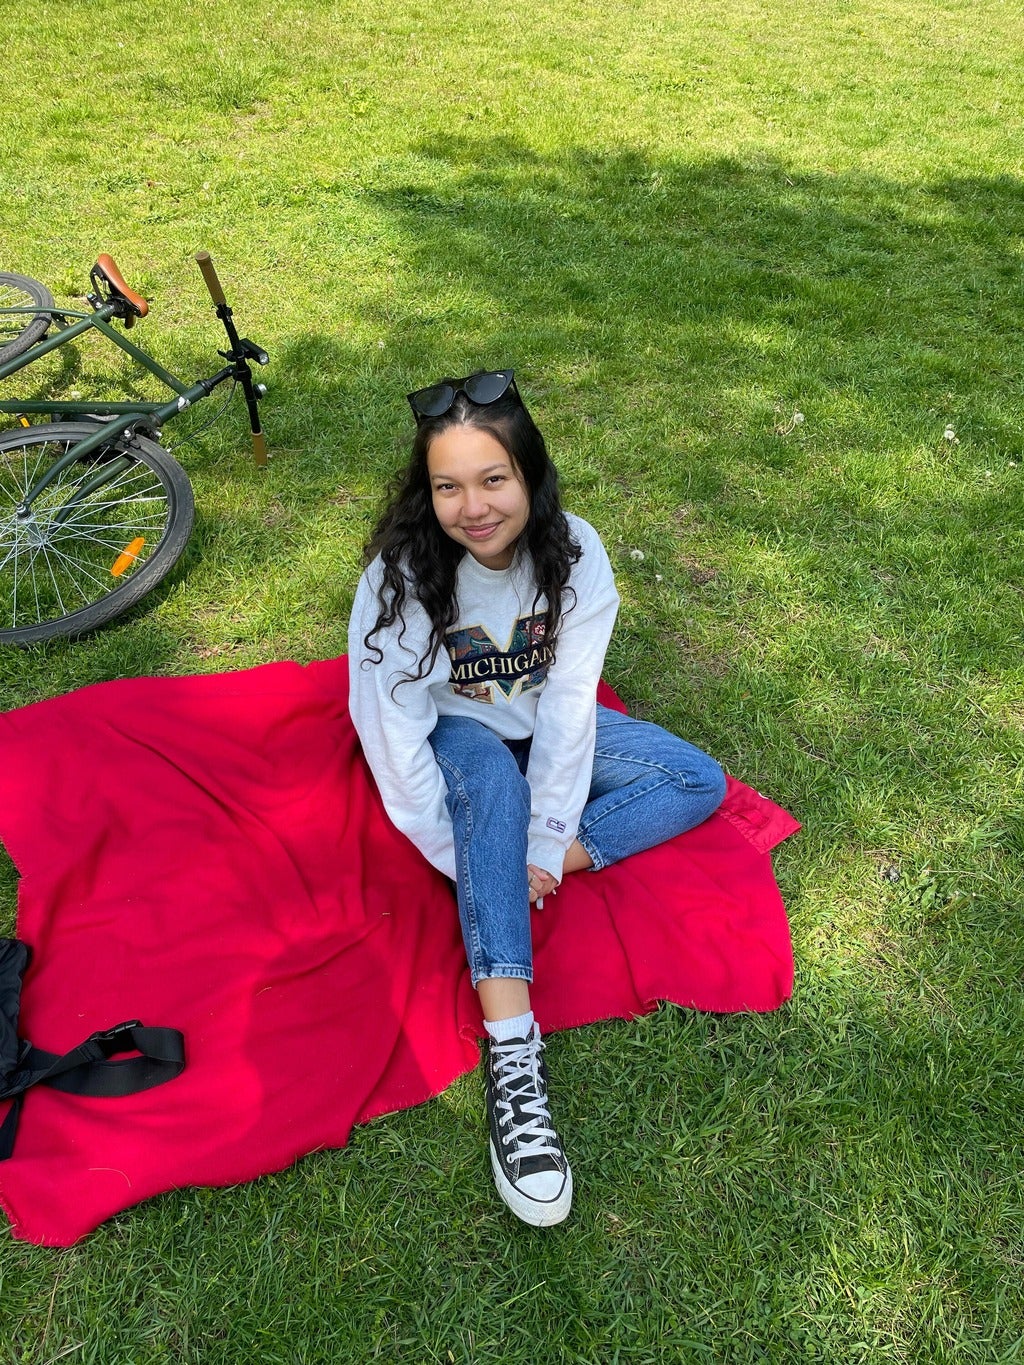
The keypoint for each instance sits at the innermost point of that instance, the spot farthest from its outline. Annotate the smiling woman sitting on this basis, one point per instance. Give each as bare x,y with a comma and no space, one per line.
476,644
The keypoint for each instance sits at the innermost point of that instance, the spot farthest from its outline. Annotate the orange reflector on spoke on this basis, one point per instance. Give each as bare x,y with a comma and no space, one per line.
127,557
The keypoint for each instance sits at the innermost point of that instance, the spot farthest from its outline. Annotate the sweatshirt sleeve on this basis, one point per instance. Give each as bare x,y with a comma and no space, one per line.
394,724
562,755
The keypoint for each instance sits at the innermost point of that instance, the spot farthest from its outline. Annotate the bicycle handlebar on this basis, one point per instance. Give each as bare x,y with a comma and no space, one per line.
205,264
239,354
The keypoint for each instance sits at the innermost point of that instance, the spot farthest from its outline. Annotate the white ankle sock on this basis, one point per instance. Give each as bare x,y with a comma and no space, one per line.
501,1030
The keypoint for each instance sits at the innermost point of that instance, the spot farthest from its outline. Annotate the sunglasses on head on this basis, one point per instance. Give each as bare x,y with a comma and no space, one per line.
482,389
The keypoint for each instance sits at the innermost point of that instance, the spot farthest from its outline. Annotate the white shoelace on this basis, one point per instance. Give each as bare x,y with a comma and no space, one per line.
517,1073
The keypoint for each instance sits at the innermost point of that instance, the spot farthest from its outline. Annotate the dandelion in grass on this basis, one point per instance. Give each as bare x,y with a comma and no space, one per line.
787,428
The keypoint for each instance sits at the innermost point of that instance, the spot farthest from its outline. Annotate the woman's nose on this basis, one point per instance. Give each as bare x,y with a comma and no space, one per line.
475,503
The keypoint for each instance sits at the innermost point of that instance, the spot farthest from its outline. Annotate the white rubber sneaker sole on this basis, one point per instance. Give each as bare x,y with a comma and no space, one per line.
539,1213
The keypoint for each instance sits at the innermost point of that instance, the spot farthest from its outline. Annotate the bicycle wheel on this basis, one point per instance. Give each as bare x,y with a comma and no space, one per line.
18,331
79,558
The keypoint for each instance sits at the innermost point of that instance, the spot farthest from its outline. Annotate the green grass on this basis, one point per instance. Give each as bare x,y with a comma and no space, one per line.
683,225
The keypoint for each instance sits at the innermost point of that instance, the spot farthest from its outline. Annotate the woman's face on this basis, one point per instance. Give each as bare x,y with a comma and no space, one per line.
479,495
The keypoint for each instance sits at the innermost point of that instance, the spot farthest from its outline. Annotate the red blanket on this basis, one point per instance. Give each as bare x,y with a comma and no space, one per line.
210,853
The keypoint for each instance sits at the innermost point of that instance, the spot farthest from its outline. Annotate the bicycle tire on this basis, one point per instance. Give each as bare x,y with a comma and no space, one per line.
17,334
67,577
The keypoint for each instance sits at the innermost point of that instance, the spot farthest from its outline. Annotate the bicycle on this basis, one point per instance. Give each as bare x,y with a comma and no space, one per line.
95,513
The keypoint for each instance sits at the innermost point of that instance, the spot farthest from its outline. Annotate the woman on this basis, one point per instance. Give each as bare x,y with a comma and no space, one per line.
476,643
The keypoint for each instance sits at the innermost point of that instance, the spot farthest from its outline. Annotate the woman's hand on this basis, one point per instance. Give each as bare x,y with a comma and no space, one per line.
541,883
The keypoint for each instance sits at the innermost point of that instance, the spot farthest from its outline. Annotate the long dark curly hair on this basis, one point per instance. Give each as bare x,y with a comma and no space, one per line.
421,559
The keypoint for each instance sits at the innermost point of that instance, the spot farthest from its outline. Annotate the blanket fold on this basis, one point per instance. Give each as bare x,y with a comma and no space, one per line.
210,853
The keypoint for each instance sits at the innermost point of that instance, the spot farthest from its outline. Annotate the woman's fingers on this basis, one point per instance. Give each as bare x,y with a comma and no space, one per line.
541,883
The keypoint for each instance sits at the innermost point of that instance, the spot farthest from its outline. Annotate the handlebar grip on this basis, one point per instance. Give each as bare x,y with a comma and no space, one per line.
205,264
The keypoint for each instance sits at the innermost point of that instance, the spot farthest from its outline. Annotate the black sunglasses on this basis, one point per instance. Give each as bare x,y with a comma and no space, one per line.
479,388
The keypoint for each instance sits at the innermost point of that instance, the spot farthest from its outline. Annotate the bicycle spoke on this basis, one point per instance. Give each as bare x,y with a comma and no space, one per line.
73,564
90,509
115,544
77,567
53,580
14,605
21,485
63,570
79,557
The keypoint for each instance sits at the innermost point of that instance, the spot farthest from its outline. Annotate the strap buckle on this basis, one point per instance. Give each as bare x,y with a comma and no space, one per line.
112,1040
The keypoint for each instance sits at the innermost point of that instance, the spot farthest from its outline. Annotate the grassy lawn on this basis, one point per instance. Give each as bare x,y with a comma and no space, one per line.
759,270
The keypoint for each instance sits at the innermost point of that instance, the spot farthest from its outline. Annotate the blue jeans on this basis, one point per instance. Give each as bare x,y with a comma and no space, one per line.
647,787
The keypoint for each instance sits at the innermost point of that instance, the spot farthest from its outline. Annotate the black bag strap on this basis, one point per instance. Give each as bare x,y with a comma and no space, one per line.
88,1069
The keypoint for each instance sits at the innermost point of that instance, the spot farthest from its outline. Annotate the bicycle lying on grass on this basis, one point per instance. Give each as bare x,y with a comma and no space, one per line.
95,513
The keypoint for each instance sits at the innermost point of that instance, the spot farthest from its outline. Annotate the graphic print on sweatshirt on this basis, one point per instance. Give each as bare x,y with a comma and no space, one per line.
481,665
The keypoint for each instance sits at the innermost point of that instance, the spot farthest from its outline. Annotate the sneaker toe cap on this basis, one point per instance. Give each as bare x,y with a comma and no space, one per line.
544,1186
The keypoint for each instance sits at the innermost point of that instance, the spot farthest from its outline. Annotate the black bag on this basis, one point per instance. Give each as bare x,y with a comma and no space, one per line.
86,1069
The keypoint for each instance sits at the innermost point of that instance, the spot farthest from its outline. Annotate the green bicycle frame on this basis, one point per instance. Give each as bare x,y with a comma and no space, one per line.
151,414
98,320
123,416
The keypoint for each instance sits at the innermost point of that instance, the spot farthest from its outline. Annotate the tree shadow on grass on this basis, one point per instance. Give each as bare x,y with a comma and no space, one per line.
719,268
704,304
670,318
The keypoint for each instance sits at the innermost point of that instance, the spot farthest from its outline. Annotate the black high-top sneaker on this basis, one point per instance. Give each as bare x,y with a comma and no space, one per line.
530,1169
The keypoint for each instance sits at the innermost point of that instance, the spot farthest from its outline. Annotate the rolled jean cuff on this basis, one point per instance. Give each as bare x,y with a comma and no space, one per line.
505,970
597,862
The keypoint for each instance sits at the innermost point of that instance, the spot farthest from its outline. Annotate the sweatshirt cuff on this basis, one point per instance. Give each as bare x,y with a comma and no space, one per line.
543,851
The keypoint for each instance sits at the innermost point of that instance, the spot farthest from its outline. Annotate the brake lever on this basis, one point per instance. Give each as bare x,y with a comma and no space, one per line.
247,350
